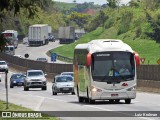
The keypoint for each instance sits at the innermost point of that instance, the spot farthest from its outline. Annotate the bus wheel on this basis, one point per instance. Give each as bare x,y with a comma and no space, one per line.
127,101
80,99
91,101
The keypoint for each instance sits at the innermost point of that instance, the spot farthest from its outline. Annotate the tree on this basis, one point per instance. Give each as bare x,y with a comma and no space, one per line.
113,3
13,7
102,17
79,18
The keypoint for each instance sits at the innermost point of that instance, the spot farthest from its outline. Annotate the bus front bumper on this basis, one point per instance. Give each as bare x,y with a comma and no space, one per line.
113,95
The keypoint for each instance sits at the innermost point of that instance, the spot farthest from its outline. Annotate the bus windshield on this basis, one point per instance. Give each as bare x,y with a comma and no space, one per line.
110,66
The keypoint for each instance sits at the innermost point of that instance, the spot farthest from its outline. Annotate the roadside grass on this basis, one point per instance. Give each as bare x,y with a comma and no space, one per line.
148,49
13,107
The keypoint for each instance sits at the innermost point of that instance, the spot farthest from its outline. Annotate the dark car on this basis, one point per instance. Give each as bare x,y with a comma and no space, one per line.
51,38
17,79
42,59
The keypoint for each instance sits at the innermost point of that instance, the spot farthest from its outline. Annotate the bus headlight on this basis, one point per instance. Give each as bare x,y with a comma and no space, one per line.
132,88
94,89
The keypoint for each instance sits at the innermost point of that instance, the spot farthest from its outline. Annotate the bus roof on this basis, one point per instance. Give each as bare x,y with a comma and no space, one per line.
100,45
9,31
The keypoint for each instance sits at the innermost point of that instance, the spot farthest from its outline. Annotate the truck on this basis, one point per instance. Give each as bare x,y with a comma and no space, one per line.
12,37
66,34
38,34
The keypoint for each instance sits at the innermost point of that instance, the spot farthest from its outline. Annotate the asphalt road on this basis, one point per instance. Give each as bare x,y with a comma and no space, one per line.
39,100
37,51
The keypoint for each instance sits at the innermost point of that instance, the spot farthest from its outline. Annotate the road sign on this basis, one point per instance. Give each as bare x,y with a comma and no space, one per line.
158,61
142,60
53,57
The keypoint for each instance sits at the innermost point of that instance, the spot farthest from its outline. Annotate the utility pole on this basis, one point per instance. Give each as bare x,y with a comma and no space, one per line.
6,86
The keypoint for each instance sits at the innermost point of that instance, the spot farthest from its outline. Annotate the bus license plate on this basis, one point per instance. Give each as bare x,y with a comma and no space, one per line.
114,95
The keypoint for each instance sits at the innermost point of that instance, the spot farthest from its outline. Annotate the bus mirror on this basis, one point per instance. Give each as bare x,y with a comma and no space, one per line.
88,60
137,58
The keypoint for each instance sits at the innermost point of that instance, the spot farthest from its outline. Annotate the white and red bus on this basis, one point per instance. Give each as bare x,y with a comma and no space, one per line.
97,67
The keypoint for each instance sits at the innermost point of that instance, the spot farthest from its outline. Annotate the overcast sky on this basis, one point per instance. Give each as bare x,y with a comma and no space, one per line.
100,2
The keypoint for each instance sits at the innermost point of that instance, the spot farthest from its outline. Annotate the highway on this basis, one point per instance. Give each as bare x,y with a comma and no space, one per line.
39,100
37,51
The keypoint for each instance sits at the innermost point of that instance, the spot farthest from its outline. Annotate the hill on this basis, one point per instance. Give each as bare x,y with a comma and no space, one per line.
135,25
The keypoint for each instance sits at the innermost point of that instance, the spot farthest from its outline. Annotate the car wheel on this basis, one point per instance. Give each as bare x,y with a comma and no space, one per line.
111,101
26,88
54,93
73,93
11,86
44,88
117,100
127,101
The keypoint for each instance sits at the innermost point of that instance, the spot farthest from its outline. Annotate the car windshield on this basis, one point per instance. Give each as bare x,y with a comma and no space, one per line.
35,73
64,79
18,76
2,63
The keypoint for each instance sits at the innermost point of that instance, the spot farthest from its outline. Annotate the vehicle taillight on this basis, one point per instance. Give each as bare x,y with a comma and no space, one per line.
125,84
137,58
88,60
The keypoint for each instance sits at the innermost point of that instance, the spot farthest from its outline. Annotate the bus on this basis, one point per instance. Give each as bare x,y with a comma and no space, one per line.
12,37
93,63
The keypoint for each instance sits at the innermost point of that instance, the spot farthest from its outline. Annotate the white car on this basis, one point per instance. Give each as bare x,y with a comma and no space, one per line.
63,84
3,66
35,79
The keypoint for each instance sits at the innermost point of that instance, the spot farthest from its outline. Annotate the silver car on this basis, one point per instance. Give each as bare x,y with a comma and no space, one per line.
63,84
3,66
35,79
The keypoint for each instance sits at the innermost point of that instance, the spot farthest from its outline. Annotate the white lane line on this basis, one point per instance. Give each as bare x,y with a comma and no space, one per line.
98,108
39,104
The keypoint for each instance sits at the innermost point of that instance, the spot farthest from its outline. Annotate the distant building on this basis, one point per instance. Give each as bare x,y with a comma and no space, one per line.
90,12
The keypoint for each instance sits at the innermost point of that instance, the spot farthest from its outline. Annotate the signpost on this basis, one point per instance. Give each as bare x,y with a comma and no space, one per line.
158,61
53,57
6,85
142,60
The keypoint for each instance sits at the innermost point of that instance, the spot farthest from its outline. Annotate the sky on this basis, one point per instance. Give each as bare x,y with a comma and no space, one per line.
100,2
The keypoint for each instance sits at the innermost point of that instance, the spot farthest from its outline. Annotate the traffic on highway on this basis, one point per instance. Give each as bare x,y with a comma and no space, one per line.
57,93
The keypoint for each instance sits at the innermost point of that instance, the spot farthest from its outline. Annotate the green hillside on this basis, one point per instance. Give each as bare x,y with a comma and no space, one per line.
136,26
62,6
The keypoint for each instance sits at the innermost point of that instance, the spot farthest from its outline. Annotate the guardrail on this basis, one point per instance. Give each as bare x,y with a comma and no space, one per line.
148,75
144,72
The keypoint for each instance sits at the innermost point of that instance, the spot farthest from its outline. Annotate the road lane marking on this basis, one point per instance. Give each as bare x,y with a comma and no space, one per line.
39,104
